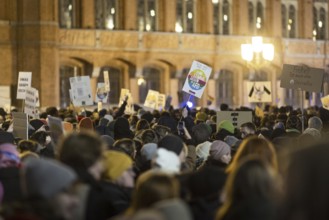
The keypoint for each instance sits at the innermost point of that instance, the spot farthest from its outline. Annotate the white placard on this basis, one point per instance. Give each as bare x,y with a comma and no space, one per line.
124,93
236,117
24,81
81,91
56,127
161,101
31,102
259,91
107,81
151,100
302,77
5,100
20,127
101,93
197,79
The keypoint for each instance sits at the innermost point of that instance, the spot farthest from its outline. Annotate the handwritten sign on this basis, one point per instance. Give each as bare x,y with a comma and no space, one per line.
302,77
161,101
30,106
81,91
259,91
236,117
197,79
20,125
24,81
151,100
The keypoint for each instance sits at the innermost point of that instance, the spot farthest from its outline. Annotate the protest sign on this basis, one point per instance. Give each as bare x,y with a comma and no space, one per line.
325,102
101,93
236,117
20,127
161,102
31,102
5,100
24,81
151,100
107,81
56,127
81,91
259,91
197,79
302,77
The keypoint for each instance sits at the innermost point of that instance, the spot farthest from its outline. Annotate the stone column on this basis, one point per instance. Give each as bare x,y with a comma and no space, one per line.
305,19
87,14
167,15
273,18
240,24
129,15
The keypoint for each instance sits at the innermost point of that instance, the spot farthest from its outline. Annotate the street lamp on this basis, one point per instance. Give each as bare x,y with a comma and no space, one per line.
256,49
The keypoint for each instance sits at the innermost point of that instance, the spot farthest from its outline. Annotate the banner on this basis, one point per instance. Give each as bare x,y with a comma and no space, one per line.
81,91
302,77
236,117
24,81
259,91
20,127
151,100
197,79
30,105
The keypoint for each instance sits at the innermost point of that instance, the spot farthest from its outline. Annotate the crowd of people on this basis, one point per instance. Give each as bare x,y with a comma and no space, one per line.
184,164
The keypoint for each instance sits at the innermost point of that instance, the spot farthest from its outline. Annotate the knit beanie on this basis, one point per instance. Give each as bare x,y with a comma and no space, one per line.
231,140
227,125
108,117
202,150
45,178
149,151
219,150
314,132
167,161
6,137
122,129
116,163
201,116
86,123
171,143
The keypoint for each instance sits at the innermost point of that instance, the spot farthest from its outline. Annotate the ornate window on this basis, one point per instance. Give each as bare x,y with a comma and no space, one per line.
224,88
107,14
320,19
147,14
151,77
284,23
251,17
256,16
185,16
292,22
68,13
221,16
226,17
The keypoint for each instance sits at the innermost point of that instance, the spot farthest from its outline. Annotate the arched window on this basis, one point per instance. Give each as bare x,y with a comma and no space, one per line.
115,82
107,14
216,17
224,88
68,13
152,77
185,16
315,23
226,17
65,73
292,22
322,24
259,18
147,14
284,23
251,17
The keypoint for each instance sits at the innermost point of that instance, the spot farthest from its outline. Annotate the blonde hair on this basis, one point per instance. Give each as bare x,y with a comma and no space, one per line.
255,146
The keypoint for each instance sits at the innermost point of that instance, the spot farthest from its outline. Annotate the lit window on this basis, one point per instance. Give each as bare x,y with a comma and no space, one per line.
256,16
292,22
226,17
147,15
185,16
106,16
67,14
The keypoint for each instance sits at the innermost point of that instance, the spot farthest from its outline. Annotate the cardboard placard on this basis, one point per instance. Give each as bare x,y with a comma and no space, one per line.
5,100
30,105
197,79
236,117
302,77
151,100
24,81
259,91
56,127
81,91
20,125
107,81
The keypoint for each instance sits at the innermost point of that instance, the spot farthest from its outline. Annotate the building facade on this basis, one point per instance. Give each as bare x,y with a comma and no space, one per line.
150,44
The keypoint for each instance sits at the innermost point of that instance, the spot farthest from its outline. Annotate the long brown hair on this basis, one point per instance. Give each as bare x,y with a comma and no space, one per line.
255,146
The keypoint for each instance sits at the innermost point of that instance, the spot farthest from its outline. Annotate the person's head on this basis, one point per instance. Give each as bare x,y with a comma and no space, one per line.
83,152
201,133
149,136
125,145
174,144
118,168
52,182
253,178
142,124
255,146
9,156
220,151
42,137
27,145
247,129
152,187
315,122
166,161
